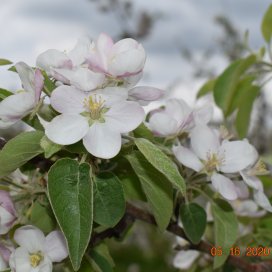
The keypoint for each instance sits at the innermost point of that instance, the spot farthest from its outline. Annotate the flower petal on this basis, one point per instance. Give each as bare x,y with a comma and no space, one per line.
204,141
26,74
162,124
125,116
187,158
30,237
67,129
224,186
185,258
238,155
251,181
38,83
55,246
203,115
66,99
262,200
102,141
19,260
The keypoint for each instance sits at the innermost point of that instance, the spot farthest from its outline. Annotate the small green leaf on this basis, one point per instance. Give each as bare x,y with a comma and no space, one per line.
109,200
5,62
226,85
20,150
49,147
206,88
49,85
194,219
161,162
71,195
158,190
143,132
4,93
267,25
226,230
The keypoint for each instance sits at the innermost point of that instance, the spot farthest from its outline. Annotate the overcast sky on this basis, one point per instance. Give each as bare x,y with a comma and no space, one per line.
29,27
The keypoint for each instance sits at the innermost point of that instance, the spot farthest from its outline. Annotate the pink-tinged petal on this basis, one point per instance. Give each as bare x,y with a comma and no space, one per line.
68,100
262,200
238,155
224,186
241,189
17,106
6,202
185,258
19,260
204,141
26,74
79,53
203,115
3,263
187,158
38,83
6,220
5,253
67,129
55,246
53,59
102,141
30,238
144,95
125,116
162,124
104,44
251,181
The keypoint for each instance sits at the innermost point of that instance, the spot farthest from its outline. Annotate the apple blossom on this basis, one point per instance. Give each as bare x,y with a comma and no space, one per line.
98,117
16,106
7,212
210,155
4,256
123,60
36,253
177,117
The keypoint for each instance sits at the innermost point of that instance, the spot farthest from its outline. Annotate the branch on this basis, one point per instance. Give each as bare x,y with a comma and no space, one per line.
133,213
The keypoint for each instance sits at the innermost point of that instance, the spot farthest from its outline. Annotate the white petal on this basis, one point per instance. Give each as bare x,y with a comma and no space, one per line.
82,78
262,200
38,84
241,189
30,237
187,158
125,116
251,181
185,258
66,99
104,43
132,80
55,246
67,129
112,95
162,124
3,264
102,142
204,141
6,220
53,59
143,93
203,115
238,155
224,186
26,74
245,208
19,260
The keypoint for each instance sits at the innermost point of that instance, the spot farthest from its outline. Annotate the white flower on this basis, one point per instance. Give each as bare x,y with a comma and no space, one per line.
177,117
98,117
122,60
36,253
208,154
7,212
247,208
17,106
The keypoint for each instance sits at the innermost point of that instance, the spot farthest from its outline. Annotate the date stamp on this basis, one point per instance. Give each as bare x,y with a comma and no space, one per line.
248,251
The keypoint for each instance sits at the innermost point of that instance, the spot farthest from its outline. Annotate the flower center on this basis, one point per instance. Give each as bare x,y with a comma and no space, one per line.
35,259
259,169
213,162
95,106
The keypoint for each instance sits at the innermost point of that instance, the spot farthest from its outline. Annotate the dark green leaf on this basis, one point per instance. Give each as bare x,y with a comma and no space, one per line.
4,93
267,25
161,162
226,229
109,200
71,195
143,132
20,150
158,190
5,62
206,88
194,221
49,147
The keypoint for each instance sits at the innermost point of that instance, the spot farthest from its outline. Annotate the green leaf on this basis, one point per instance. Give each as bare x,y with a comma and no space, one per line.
5,62
71,195
101,261
158,190
194,221
226,229
267,25
49,85
206,88
161,162
226,84
244,111
4,93
143,132
20,150
49,147
109,200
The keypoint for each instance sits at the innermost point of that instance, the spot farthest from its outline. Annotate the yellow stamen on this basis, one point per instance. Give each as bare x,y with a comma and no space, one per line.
94,105
35,259
259,169
212,162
